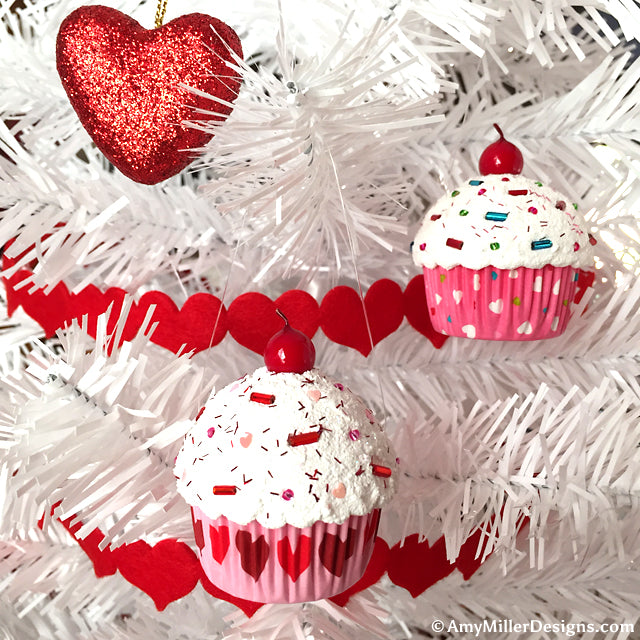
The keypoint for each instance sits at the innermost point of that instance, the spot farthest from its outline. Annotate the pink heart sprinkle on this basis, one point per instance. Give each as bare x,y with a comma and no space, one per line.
314,394
287,494
210,432
339,491
354,434
245,441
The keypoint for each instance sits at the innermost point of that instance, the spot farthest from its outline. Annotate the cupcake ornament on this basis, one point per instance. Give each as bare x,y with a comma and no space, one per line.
285,471
501,254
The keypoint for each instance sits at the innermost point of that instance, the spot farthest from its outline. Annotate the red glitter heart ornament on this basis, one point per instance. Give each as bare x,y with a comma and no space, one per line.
128,85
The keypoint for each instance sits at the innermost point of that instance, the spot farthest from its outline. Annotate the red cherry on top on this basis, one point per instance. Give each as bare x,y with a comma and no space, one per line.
289,350
501,156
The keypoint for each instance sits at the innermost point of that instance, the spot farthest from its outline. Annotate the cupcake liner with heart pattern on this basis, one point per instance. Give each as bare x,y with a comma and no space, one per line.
286,564
501,304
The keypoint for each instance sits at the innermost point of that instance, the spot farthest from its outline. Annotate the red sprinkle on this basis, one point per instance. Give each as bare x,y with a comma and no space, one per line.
532,210
592,240
436,216
518,192
379,470
199,414
224,490
360,471
454,244
561,204
297,439
262,398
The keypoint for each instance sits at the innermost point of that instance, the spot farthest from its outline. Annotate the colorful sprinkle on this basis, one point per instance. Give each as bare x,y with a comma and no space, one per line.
565,303
496,216
481,192
575,206
210,432
443,277
464,212
541,244
494,245
561,204
516,301
576,277
287,494
455,193
475,183
518,192
297,439
354,434
544,310
423,246
224,490
494,275
454,244
539,183
411,245
592,240
448,318
532,210
339,491
262,398
436,216
380,471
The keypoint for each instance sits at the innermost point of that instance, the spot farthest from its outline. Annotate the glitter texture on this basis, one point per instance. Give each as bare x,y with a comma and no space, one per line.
124,82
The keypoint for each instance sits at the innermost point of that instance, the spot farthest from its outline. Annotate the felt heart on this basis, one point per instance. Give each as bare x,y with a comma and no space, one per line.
406,558
457,295
128,85
314,394
245,441
334,551
165,572
343,320
375,570
416,311
190,328
294,562
253,554
197,531
219,537
252,317
104,561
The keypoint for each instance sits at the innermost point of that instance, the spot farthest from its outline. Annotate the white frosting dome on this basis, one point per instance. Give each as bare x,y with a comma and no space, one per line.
303,449
506,221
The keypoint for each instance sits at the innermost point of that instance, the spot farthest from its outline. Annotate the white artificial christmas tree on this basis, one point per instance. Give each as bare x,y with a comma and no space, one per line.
353,117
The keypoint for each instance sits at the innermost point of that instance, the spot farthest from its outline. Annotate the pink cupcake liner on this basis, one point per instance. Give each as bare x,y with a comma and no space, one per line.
287,564
501,304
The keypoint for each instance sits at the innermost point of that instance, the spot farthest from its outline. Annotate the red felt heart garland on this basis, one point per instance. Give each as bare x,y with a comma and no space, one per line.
251,318
128,85
170,569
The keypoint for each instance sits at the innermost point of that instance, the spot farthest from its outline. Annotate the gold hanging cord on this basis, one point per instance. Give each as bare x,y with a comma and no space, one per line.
162,9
